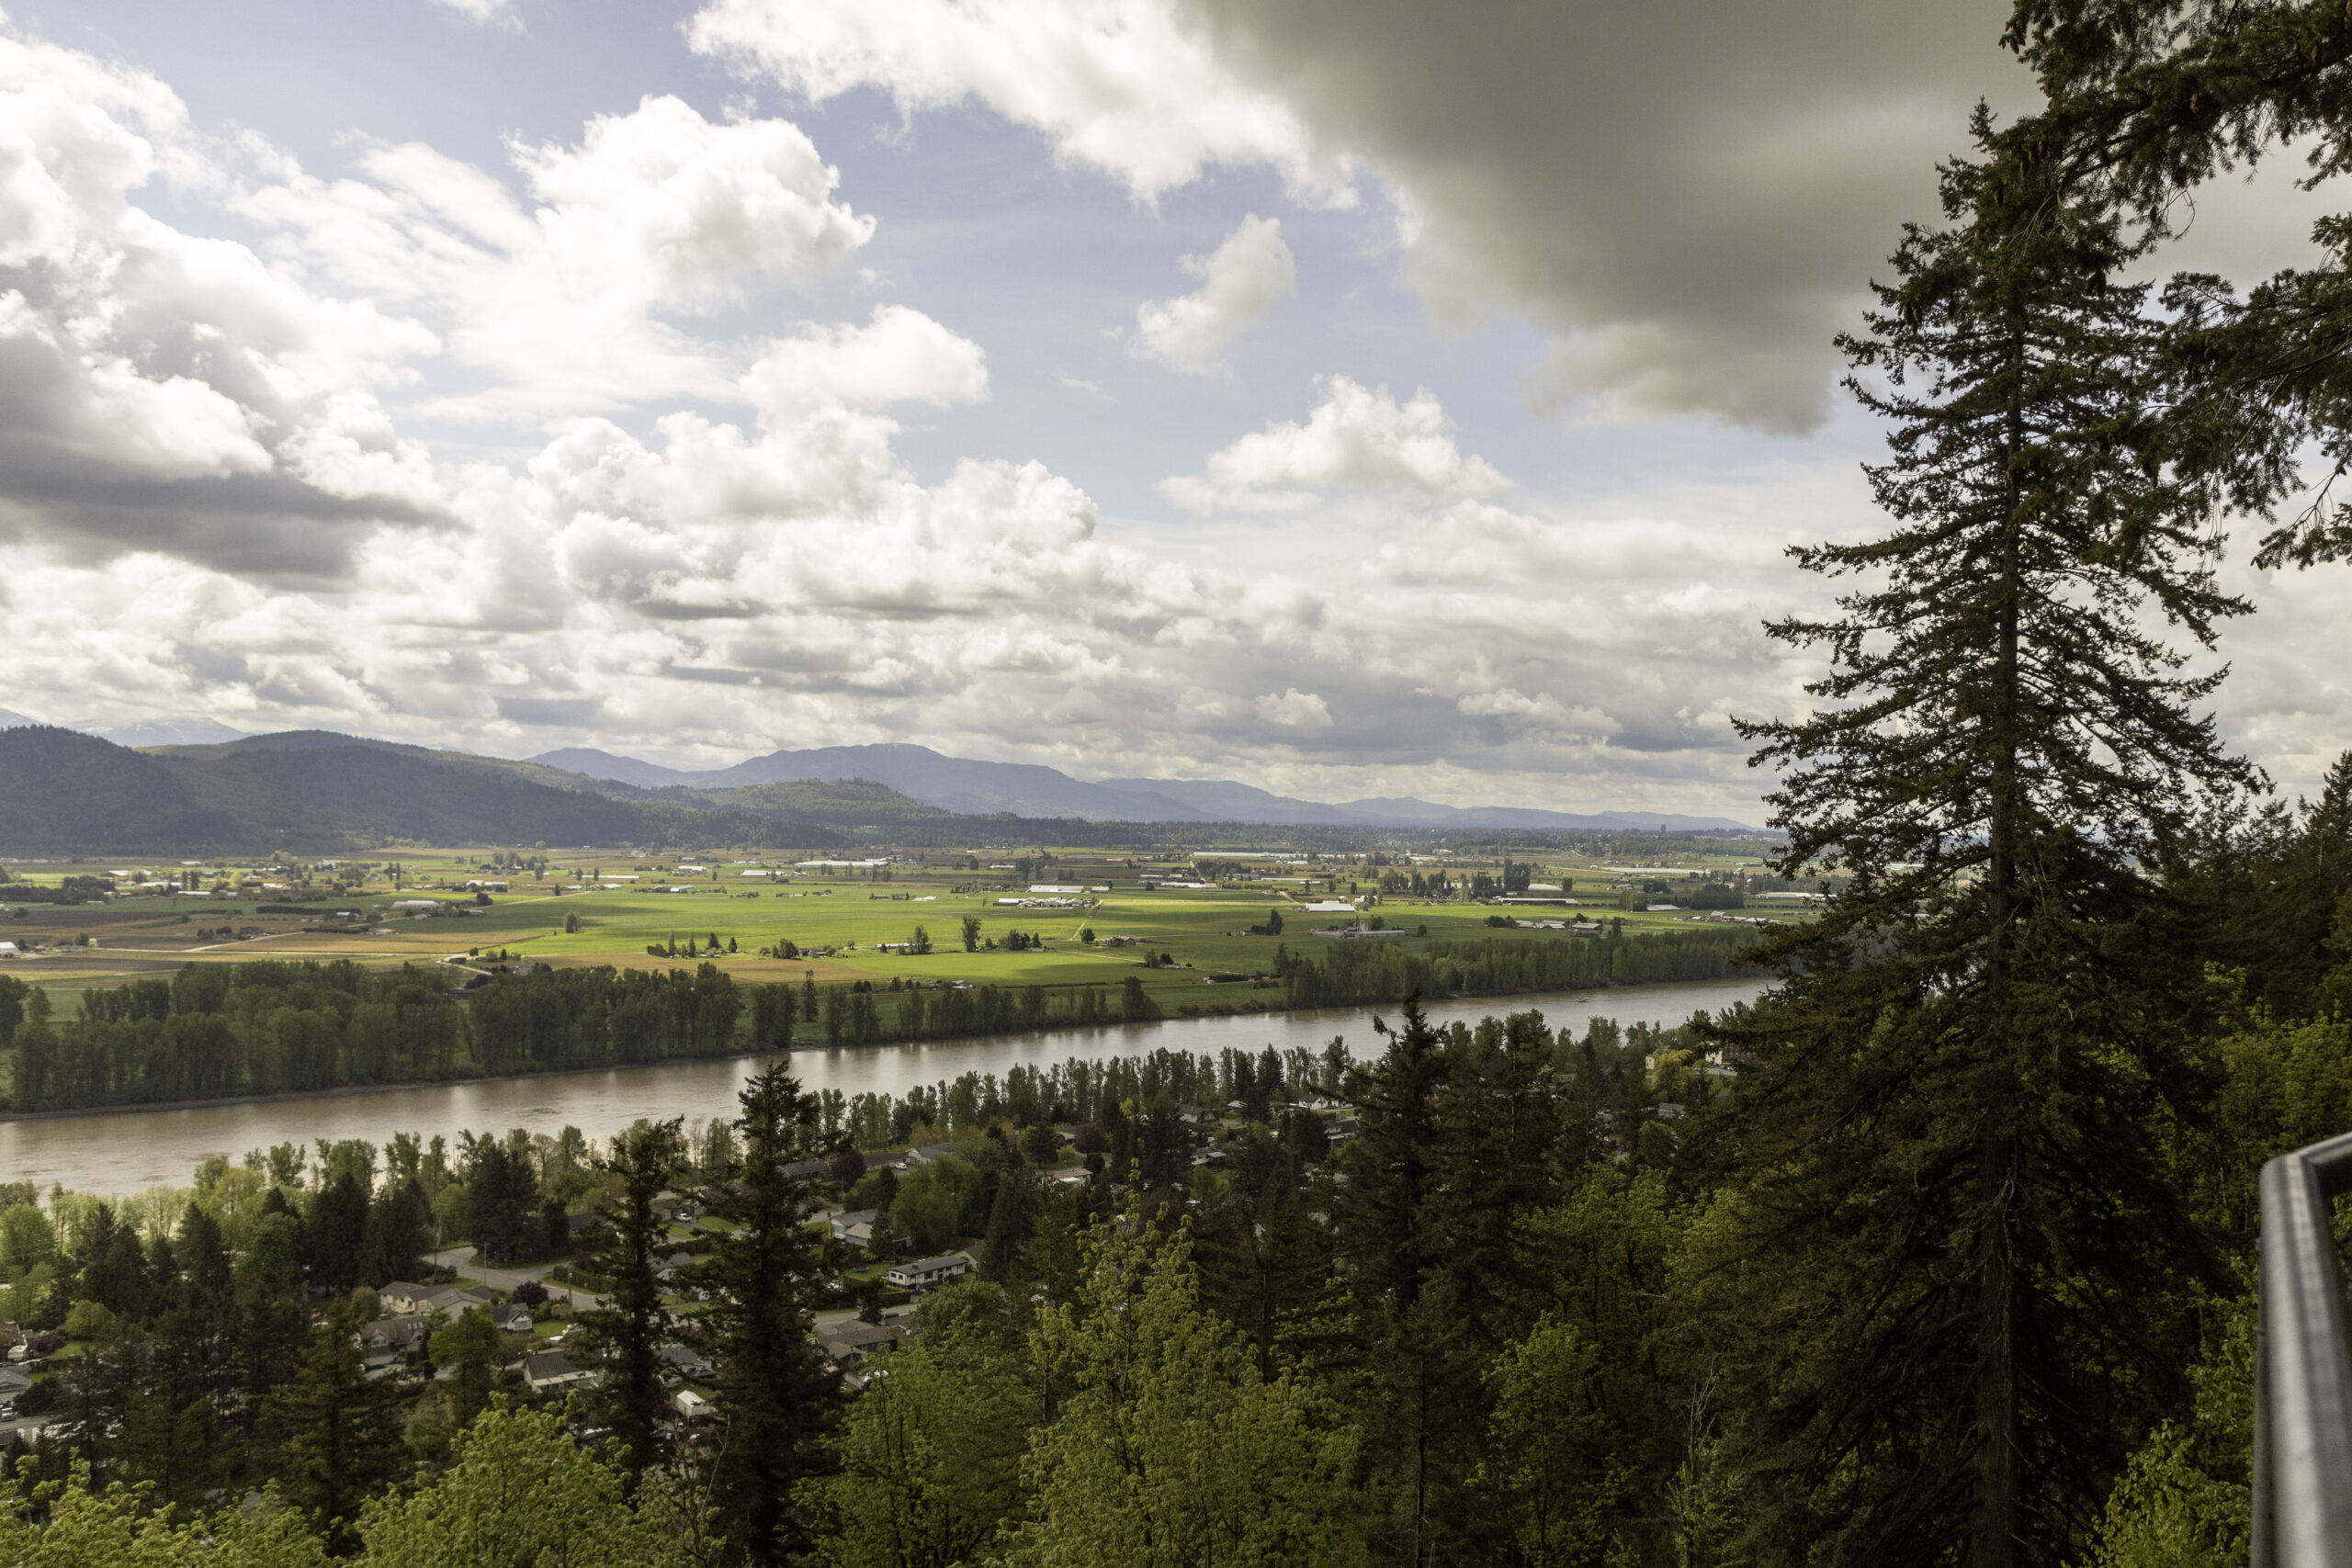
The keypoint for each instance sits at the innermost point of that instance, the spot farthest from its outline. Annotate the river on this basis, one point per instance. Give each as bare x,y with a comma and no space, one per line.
127,1151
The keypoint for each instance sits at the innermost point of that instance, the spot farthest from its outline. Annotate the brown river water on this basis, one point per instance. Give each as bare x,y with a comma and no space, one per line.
127,1151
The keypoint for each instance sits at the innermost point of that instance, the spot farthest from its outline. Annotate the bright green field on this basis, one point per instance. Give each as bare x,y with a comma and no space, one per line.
1204,930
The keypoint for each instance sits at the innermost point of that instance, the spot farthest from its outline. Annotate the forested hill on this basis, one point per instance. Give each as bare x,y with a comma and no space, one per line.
310,791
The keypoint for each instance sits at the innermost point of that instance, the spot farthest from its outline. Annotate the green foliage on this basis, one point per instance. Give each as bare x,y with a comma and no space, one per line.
272,1027
1552,1466
519,1493
1354,972
88,1320
1167,1447
470,1348
929,1456
27,1237
2185,1500
64,1524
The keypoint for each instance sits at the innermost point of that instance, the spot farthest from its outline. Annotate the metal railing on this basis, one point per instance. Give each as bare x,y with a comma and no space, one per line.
2302,1367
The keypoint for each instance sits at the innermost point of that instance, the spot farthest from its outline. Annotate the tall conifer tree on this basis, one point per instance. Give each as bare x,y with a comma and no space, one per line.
1949,1132
627,1333
765,1274
342,1434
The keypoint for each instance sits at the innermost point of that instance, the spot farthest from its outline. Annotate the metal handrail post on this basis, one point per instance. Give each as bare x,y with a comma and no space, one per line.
2302,1502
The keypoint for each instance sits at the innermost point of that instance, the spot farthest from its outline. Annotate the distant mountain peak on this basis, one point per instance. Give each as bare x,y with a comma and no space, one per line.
1029,789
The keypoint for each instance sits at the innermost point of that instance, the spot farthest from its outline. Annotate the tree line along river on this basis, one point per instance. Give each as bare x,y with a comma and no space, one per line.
122,1152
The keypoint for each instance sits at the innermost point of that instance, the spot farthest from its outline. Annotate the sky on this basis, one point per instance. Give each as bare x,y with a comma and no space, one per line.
1351,399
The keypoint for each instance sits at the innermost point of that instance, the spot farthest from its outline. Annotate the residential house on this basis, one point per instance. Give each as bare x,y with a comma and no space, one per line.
849,1345
401,1298
925,1272
859,1220
514,1320
692,1407
929,1154
687,1361
395,1337
545,1371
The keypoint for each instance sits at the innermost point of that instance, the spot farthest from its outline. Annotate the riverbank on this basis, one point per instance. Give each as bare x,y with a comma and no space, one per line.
129,1148
1351,979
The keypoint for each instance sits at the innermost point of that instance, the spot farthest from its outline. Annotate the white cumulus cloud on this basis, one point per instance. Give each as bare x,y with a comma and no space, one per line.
1240,281
1295,709
900,356
574,302
485,13
1356,438
1131,87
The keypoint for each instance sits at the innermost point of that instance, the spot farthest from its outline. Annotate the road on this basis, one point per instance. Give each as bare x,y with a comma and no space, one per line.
461,1258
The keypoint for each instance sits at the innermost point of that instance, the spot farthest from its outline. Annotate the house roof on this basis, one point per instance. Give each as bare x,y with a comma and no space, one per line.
541,1365
858,1332
930,1265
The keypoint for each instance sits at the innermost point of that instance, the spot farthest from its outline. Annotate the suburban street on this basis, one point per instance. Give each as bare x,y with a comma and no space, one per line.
461,1258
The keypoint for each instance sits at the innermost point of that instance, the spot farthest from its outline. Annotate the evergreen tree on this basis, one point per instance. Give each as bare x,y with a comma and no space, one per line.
113,1265
268,1282
399,1232
2153,97
626,1335
1264,1268
1008,1226
765,1274
1950,1129
337,1234
197,1331
1413,1402
342,1433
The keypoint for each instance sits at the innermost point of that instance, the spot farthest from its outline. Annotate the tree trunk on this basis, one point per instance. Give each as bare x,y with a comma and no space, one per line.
1993,1542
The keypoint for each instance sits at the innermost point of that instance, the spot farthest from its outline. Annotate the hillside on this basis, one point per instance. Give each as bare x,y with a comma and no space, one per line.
848,803
311,792
63,789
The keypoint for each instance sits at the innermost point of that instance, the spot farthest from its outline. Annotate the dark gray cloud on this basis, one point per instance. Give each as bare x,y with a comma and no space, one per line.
1689,192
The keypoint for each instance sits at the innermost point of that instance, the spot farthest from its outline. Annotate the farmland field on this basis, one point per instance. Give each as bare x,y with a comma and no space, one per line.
844,923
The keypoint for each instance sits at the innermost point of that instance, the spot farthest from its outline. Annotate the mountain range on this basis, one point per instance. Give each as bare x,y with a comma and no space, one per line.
964,785
312,791
316,790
